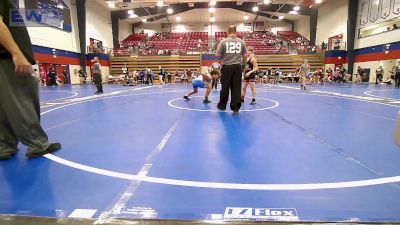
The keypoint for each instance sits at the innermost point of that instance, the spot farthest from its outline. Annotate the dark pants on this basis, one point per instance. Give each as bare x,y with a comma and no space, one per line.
231,80
169,78
215,83
379,78
19,110
53,81
149,79
98,81
397,79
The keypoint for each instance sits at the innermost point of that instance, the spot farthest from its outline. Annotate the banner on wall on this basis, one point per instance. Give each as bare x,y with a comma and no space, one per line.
364,13
385,8
396,7
374,10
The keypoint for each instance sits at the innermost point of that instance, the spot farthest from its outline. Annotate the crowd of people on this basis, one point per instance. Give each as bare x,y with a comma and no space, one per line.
392,77
147,76
304,75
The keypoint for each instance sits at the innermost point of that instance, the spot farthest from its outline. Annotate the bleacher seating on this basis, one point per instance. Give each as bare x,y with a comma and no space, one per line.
262,42
132,40
178,41
297,41
121,52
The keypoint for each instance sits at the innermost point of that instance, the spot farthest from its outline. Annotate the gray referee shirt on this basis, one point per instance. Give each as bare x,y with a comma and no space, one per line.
231,49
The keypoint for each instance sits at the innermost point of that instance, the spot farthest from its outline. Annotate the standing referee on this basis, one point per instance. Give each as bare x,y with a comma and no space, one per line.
19,93
233,52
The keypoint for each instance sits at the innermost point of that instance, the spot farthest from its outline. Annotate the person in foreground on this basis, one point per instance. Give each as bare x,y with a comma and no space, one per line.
232,50
203,81
19,92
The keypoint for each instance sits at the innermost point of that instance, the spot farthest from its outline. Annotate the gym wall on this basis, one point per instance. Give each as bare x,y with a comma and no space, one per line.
302,26
125,29
332,20
98,23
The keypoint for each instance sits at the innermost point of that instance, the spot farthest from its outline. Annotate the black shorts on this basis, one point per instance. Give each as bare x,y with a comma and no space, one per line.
251,78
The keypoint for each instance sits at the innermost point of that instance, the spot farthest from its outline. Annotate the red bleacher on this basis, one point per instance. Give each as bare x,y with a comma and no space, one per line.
170,41
263,42
133,40
121,52
296,40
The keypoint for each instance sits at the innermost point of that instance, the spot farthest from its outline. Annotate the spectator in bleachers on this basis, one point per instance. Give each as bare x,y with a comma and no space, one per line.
395,27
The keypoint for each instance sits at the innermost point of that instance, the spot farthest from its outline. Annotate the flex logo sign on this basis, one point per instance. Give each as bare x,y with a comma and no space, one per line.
265,214
36,17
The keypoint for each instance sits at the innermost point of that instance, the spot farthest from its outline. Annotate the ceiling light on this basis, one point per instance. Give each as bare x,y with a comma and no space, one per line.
213,2
281,17
245,17
212,10
178,18
255,9
170,11
130,12
296,8
267,2
160,3
111,5
293,12
318,1
212,19
133,16
144,20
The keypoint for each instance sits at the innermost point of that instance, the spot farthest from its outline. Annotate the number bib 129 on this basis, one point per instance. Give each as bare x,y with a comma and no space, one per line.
233,47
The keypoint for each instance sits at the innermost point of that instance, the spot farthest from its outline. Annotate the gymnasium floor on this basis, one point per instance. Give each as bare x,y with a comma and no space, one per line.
142,152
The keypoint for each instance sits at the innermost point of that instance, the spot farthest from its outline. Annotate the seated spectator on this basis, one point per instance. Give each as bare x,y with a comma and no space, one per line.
142,75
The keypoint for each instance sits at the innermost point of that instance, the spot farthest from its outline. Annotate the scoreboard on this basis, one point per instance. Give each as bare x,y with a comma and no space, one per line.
53,4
